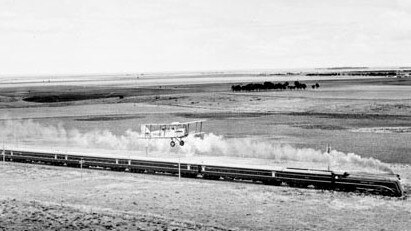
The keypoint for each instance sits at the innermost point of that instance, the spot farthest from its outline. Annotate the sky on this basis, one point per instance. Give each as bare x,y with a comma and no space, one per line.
133,36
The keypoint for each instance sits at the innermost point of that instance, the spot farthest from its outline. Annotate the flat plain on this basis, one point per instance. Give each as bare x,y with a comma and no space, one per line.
370,118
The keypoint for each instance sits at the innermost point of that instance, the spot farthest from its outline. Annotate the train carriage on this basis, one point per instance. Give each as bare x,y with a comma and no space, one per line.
294,177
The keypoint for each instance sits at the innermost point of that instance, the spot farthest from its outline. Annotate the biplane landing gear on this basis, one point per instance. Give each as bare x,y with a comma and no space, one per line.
173,143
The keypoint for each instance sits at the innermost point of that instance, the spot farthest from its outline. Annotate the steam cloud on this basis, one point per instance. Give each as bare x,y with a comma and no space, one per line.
213,145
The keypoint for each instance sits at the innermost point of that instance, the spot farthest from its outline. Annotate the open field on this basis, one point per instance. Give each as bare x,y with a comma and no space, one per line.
64,198
347,114
370,117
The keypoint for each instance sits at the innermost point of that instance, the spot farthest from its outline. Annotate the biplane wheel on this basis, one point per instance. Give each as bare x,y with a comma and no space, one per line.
181,143
172,143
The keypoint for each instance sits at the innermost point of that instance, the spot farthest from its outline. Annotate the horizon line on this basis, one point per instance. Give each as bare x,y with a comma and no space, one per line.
222,71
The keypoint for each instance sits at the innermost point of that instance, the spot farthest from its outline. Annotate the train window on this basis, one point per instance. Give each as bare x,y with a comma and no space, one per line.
122,161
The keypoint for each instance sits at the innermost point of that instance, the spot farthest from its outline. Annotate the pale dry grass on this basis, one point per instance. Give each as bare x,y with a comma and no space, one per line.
46,197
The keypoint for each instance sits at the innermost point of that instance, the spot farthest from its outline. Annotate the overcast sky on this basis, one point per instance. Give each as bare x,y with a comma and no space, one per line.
111,36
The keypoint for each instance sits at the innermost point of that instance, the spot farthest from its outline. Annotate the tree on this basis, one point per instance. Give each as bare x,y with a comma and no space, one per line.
249,87
303,86
236,88
268,85
258,86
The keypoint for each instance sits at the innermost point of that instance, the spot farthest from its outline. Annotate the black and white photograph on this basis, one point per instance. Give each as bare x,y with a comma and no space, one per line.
205,115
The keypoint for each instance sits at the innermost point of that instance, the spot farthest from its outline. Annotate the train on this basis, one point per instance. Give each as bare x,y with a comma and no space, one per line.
387,185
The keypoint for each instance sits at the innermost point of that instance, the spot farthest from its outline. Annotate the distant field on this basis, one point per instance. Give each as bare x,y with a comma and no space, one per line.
332,114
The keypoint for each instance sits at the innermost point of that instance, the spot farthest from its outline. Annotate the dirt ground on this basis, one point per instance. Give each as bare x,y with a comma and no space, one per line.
368,117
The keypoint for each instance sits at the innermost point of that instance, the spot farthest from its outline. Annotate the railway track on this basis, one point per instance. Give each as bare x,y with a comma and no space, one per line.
294,177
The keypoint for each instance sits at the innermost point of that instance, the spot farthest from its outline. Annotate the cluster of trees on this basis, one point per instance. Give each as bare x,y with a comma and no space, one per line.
272,86
315,86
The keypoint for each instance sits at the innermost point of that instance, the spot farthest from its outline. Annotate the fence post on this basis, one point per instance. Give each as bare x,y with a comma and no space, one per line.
81,168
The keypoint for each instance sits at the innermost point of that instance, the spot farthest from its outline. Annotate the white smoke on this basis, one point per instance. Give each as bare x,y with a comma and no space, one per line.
27,131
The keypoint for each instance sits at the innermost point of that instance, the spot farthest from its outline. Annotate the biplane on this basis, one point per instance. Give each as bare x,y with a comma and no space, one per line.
175,131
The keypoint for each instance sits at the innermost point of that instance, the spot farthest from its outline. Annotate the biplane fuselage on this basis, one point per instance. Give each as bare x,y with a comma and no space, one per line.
174,131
